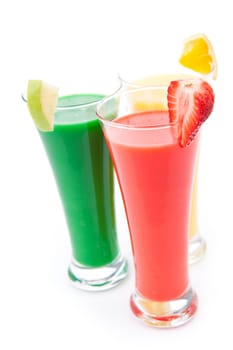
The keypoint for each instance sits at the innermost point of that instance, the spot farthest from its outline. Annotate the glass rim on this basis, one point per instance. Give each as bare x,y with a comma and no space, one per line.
186,75
135,84
120,92
100,97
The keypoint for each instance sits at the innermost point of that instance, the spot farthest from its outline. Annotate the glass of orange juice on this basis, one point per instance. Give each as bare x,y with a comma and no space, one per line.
197,244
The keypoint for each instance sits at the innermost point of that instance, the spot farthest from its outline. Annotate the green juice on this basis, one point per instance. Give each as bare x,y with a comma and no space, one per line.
84,175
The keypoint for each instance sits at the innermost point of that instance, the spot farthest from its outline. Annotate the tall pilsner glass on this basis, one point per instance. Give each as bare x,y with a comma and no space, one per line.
156,176
83,171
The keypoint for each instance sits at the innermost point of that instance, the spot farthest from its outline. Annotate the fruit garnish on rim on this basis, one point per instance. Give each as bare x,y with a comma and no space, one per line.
42,101
198,54
190,102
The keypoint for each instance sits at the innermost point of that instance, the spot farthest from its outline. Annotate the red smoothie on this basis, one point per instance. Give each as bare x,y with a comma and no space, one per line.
155,175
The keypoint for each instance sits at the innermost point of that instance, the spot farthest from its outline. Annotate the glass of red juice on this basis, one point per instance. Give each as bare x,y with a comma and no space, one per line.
83,171
197,243
155,175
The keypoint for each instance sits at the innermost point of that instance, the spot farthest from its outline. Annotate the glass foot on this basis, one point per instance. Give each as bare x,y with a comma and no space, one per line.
197,248
98,278
166,314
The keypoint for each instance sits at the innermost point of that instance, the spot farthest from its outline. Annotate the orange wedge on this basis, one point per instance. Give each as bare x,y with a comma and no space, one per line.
198,55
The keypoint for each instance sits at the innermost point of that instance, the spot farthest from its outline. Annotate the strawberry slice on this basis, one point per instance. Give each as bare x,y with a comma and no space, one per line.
190,102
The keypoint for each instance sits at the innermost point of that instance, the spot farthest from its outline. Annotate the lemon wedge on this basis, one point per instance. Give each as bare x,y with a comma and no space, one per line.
198,54
42,101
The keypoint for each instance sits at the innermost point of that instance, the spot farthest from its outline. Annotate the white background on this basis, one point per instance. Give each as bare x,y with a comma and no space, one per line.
61,40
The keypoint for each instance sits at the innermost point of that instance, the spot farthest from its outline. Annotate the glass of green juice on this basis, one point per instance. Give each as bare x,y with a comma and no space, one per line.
83,172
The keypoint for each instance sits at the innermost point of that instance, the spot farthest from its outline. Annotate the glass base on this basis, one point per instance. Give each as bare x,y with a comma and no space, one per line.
165,314
98,278
197,248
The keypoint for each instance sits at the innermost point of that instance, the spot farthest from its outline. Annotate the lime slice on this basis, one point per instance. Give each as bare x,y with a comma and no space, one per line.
42,101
